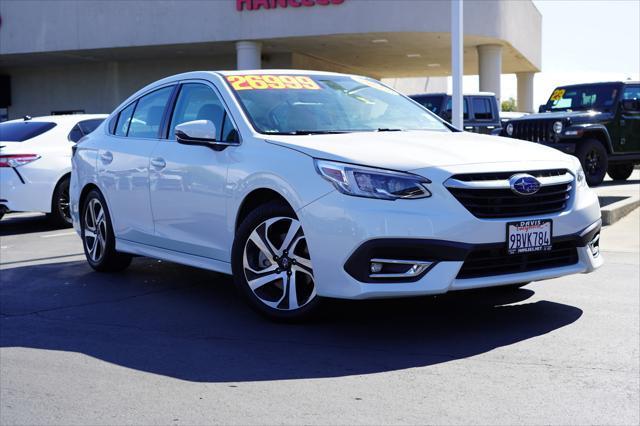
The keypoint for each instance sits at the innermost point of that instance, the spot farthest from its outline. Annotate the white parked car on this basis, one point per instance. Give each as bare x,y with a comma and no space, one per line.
35,163
306,185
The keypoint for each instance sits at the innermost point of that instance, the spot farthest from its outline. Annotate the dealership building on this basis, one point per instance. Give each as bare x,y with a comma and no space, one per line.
87,56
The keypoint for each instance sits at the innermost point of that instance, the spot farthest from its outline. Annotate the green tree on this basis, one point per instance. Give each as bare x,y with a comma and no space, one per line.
509,105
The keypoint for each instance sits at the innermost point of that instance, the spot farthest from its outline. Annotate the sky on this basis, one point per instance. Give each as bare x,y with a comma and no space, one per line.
582,41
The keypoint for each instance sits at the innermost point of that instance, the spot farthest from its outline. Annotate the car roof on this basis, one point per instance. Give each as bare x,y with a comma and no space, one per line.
599,83
61,119
449,94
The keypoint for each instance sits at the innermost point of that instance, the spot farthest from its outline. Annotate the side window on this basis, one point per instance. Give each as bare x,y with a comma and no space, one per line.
465,109
199,102
124,118
631,92
75,134
88,126
148,114
482,109
229,131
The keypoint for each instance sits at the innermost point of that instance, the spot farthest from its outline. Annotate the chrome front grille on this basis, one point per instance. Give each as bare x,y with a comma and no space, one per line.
489,195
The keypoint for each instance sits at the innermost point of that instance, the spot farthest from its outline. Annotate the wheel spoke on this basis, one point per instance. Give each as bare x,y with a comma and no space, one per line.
264,279
92,206
272,266
302,262
262,244
293,292
294,227
90,233
94,249
100,217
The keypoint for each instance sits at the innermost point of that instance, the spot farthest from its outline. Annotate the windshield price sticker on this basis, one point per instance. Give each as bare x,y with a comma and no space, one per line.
529,236
269,81
557,95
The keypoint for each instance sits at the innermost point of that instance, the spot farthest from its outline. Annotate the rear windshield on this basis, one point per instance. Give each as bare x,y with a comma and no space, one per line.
21,131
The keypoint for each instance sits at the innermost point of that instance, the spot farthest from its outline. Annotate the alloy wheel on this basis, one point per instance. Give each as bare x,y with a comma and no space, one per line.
95,230
593,162
63,204
277,266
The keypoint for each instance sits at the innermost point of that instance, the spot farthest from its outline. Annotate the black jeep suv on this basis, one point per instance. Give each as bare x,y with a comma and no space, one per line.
599,123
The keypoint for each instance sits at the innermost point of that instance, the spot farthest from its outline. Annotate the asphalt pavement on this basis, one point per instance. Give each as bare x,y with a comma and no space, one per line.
169,344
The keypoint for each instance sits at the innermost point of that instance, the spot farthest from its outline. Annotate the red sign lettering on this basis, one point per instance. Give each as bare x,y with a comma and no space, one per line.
242,5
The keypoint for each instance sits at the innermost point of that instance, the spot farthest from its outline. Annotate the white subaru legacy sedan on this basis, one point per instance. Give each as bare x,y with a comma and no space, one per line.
35,163
307,185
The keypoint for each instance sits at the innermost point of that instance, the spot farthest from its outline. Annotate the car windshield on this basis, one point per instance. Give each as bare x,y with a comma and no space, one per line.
599,97
311,104
20,131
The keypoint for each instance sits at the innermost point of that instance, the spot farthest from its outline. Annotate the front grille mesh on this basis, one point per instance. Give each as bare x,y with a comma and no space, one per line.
487,203
534,130
485,262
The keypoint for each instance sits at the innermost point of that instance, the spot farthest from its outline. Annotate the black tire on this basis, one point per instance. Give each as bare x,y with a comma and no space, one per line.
60,215
277,291
620,171
100,252
594,159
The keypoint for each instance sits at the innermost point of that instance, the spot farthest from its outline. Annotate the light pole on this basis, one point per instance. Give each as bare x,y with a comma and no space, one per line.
457,63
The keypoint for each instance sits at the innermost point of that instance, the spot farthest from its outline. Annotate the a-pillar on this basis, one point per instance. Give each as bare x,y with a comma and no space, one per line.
248,55
490,68
525,91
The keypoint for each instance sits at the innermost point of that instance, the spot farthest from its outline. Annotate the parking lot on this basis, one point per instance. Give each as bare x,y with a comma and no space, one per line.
169,344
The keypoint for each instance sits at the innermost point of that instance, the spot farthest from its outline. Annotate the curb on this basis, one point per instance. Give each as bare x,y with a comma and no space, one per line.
613,212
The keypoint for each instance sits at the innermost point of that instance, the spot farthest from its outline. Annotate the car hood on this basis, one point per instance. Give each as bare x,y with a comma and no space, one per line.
413,150
561,115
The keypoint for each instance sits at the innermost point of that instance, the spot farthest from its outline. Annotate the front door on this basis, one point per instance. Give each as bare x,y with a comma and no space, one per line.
188,182
630,122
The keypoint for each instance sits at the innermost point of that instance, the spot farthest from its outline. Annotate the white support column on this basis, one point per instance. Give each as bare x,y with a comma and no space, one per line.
457,64
490,68
525,91
248,55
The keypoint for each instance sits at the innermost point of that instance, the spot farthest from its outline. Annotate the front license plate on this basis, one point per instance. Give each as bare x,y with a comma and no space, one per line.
528,236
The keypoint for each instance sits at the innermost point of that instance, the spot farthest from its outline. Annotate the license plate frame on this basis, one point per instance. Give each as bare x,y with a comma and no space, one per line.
530,240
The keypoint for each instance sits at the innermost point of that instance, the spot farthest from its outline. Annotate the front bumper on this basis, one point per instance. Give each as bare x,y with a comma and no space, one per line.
337,228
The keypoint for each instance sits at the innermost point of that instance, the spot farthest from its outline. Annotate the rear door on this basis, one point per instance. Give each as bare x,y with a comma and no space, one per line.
484,115
123,164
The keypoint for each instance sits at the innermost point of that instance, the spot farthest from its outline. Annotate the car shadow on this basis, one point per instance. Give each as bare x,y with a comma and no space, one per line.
190,324
17,224
619,183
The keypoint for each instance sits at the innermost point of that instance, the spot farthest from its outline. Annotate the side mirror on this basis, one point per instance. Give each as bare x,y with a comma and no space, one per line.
631,105
198,132
542,108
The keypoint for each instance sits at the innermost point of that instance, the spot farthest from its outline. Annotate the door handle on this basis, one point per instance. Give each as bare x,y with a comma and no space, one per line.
158,163
106,157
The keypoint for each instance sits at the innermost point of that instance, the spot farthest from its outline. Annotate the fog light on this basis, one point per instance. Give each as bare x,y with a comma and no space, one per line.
397,268
376,268
594,246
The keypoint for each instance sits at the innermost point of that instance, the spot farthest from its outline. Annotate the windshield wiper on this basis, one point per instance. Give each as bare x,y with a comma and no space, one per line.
310,132
386,129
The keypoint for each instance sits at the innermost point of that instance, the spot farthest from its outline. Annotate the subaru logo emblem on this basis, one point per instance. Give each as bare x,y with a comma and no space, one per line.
524,184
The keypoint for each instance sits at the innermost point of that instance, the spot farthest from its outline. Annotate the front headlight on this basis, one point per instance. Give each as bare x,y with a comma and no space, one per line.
557,127
509,129
368,182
